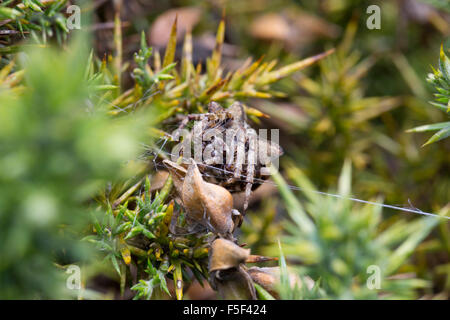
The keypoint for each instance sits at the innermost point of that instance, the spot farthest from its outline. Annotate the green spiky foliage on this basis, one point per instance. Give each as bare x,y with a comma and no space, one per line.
11,79
387,161
136,232
261,227
336,242
337,119
57,150
189,89
440,79
39,20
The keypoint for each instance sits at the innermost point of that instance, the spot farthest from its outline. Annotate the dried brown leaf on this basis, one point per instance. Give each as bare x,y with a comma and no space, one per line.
205,203
188,17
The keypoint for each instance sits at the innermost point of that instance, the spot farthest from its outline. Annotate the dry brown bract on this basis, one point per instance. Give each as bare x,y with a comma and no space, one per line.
269,279
205,203
228,274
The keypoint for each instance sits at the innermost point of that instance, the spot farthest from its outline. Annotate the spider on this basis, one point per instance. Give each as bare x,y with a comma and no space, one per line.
229,147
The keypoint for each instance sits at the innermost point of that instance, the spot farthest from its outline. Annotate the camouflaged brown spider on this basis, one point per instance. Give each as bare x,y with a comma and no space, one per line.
231,148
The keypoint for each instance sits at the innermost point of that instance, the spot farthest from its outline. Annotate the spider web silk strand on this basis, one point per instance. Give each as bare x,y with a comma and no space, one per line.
414,210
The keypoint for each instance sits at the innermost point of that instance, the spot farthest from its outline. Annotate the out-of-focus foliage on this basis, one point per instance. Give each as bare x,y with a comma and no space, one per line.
338,243
440,79
142,236
438,4
156,251
361,102
39,19
337,115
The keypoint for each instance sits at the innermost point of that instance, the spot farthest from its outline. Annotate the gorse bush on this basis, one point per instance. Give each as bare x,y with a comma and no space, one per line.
84,142
440,79
338,120
57,150
142,221
341,244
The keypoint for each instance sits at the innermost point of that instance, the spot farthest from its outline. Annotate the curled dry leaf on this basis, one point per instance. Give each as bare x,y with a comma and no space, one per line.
205,203
188,17
292,27
158,180
268,278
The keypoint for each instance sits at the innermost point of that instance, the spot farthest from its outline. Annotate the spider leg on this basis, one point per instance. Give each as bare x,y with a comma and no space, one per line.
185,118
238,218
216,155
235,212
207,221
230,181
248,190
251,161
240,153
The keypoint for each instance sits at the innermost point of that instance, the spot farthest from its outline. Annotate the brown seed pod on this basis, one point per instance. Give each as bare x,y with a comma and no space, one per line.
268,278
205,203
228,275
265,277
233,284
225,254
